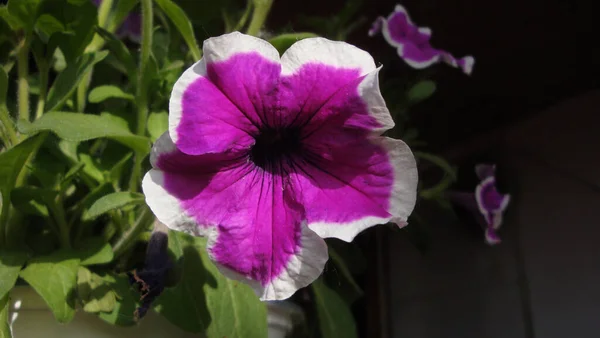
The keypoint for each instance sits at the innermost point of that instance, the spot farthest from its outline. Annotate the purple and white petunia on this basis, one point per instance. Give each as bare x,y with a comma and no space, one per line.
486,202
267,155
413,42
490,202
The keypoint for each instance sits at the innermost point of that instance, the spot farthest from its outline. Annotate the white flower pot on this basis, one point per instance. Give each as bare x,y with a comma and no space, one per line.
31,318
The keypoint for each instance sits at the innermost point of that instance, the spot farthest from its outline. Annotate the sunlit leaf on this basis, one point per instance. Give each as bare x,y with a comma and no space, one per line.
54,278
102,93
83,127
111,202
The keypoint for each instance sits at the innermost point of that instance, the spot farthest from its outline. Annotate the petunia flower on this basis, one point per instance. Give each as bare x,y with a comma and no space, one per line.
267,155
490,202
413,43
487,201
131,27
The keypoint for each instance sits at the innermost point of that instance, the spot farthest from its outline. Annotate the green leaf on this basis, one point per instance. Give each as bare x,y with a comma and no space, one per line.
119,51
11,263
284,41
11,164
113,201
3,86
102,93
203,295
94,291
47,25
32,200
183,24
125,304
158,123
83,127
5,331
67,81
24,12
421,91
78,18
95,251
334,315
12,22
54,278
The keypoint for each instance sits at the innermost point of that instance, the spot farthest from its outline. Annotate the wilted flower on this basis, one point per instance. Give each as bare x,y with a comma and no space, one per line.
266,155
131,27
151,278
486,201
413,43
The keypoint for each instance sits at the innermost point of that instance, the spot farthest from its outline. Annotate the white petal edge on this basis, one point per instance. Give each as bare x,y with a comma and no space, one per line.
166,207
402,200
417,64
323,51
369,91
302,269
215,49
223,47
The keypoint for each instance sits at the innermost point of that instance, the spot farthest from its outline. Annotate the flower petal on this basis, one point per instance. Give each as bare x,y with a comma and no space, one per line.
491,237
488,198
247,70
358,186
255,225
202,119
321,51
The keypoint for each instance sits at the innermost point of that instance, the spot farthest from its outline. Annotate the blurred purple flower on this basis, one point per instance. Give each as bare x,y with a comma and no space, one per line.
486,201
131,27
413,43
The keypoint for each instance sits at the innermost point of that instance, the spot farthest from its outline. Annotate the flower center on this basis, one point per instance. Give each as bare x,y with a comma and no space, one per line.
274,147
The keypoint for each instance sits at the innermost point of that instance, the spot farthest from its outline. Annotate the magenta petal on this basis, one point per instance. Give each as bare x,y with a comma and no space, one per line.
202,119
249,80
352,188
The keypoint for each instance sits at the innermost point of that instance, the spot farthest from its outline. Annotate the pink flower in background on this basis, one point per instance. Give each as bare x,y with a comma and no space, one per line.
413,43
267,155
487,202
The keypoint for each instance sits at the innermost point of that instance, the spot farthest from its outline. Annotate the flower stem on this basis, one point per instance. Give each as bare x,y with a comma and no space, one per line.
142,92
129,238
22,82
41,104
261,11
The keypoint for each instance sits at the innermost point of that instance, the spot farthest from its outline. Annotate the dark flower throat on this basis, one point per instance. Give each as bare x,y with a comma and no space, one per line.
275,146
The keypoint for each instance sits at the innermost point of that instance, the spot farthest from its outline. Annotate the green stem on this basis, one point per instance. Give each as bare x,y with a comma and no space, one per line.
261,11
244,17
129,238
22,74
41,104
103,12
142,92
8,125
63,228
